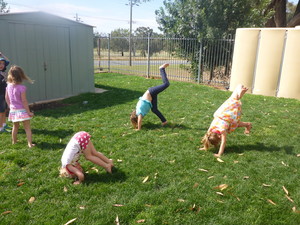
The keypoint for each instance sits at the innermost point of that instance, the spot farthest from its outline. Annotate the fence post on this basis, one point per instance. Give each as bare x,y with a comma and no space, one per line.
108,52
99,54
199,63
148,60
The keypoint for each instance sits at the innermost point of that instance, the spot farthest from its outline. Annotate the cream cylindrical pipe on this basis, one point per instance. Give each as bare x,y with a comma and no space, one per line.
269,59
289,84
244,57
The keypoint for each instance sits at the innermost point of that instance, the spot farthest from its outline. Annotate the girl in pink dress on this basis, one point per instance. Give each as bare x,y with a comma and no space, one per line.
80,144
16,99
226,120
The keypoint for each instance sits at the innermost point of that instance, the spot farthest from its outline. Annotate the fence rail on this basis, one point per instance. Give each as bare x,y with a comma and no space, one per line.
207,61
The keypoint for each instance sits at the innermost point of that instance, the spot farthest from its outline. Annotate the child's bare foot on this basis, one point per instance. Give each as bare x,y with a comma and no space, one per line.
164,66
111,162
164,123
31,145
109,168
202,149
77,182
248,129
217,155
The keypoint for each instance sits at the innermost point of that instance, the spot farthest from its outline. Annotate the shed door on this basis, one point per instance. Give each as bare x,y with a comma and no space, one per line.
57,65
44,54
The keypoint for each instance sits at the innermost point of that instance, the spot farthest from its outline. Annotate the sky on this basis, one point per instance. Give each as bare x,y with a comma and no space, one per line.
104,15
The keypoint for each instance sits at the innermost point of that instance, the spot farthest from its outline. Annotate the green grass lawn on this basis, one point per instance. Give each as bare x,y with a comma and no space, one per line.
162,177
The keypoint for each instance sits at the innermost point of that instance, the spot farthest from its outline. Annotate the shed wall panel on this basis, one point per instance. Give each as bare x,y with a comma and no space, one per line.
55,52
82,59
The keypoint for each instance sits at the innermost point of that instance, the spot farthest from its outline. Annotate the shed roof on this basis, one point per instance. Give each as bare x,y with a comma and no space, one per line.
44,18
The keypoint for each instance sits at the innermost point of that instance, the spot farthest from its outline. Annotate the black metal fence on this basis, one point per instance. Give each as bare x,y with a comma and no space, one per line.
207,61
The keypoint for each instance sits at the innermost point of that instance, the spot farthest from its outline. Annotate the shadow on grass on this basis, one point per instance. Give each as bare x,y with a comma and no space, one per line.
49,146
172,126
60,133
258,147
92,101
117,176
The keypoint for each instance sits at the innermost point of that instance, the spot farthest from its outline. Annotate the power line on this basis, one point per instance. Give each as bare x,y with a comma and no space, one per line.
72,15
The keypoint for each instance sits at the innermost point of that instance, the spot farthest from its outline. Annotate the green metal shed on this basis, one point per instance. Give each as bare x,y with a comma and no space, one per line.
55,52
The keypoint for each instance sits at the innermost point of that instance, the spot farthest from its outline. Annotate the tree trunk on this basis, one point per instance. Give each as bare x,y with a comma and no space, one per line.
295,21
280,13
271,21
297,9
279,18
296,18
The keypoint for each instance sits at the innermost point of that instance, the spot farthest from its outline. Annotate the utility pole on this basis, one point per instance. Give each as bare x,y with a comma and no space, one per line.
130,29
130,33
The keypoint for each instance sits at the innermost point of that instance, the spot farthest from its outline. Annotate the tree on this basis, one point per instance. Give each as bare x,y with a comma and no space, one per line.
119,44
141,35
207,20
100,42
215,19
290,9
295,20
131,3
3,7
282,14
210,19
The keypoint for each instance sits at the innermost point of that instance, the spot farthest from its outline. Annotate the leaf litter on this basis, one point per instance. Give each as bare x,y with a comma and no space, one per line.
118,205
285,190
31,200
220,160
289,198
195,208
70,221
117,220
221,187
6,212
270,201
145,179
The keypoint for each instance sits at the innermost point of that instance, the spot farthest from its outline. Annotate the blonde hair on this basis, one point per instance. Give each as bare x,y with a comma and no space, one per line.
16,75
134,119
64,173
210,138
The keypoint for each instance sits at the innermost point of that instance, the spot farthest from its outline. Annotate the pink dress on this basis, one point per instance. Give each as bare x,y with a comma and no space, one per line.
17,112
227,117
74,148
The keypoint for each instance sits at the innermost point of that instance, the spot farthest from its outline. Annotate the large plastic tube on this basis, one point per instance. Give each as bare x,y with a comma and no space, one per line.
268,61
244,57
289,85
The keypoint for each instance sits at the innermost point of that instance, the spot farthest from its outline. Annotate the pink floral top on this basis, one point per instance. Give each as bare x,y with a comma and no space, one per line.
227,117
